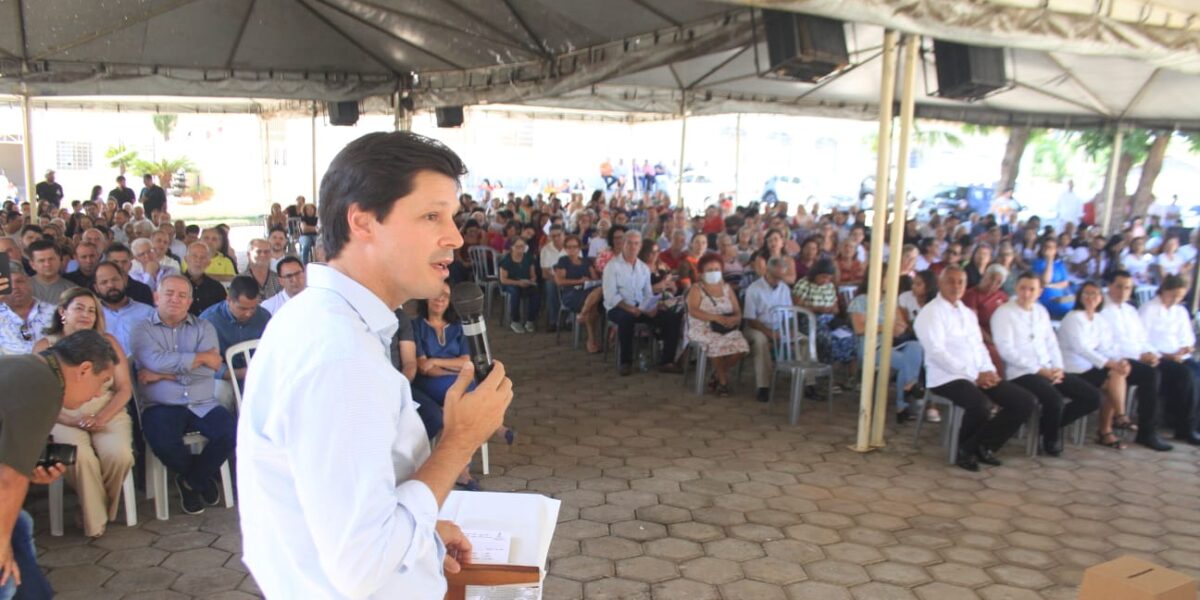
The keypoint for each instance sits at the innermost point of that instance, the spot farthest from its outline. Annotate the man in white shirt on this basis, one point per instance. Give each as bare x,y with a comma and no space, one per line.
762,324
339,490
629,299
1170,331
1129,342
1027,343
1070,206
291,274
957,367
549,256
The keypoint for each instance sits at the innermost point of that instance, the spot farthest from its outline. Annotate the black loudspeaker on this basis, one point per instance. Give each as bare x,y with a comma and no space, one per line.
343,113
968,72
449,116
804,47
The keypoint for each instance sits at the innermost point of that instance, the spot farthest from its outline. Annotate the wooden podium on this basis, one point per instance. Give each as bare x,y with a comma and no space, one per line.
487,575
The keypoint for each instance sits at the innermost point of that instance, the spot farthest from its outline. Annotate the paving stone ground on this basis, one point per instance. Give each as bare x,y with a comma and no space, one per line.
669,496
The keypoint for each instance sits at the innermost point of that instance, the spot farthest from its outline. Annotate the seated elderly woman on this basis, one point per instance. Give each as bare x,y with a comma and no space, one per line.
714,318
101,429
907,356
441,353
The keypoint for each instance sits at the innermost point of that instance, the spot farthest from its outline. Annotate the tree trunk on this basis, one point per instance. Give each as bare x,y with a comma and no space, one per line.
1120,197
1010,167
1143,197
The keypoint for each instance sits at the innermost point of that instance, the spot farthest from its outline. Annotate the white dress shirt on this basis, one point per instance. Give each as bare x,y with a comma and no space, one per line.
761,300
949,334
1168,329
328,441
1127,334
1084,341
1170,265
276,302
549,255
627,283
1025,339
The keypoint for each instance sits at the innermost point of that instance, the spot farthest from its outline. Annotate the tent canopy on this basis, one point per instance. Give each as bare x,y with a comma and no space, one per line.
1072,63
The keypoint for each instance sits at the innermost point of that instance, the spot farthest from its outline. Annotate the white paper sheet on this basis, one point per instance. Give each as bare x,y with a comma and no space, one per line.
489,547
527,519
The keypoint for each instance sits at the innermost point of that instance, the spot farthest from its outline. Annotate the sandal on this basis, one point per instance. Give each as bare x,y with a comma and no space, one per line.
722,390
1122,422
1111,440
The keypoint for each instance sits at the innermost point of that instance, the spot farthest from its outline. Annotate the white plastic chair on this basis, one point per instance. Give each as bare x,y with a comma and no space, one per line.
56,504
156,473
951,424
485,270
246,350
796,354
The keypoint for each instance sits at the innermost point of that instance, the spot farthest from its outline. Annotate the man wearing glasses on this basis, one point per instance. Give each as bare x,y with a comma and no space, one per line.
291,275
23,318
952,257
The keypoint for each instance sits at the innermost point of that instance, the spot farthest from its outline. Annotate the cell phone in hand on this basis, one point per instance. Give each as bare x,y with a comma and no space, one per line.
6,274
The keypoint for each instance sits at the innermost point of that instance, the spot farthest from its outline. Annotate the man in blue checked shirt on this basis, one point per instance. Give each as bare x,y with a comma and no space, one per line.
177,356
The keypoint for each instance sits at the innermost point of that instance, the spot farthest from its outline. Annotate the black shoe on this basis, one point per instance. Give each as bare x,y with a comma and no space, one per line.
211,494
1189,437
904,416
967,460
626,370
1154,442
987,457
671,368
1053,450
763,395
189,500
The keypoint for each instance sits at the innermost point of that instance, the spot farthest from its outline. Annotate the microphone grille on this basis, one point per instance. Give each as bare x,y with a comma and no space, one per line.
467,299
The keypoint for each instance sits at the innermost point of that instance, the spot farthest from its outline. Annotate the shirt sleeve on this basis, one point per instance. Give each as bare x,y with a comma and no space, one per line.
1005,337
932,334
365,524
612,296
149,355
1056,357
26,421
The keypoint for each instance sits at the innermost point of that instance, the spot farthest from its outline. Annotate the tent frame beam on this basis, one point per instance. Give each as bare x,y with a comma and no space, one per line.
111,29
537,41
488,25
1141,93
508,41
719,66
1059,97
237,41
374,55
1101,107
658,13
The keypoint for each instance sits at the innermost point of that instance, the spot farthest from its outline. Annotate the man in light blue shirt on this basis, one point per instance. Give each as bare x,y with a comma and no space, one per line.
238,319
121,313
177,355
629,299
339,490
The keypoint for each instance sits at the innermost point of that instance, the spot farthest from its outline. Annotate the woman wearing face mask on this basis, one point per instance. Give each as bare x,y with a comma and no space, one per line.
713,320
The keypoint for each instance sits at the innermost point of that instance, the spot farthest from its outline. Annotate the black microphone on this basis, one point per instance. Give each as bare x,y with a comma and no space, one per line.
467,299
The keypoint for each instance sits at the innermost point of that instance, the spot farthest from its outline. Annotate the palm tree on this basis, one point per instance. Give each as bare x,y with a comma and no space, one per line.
164,169
165,124
120,157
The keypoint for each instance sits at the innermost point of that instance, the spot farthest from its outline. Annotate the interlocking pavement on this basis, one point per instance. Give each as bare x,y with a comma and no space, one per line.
670,496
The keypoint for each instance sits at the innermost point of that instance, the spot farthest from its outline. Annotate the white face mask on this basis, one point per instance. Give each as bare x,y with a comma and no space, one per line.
712,277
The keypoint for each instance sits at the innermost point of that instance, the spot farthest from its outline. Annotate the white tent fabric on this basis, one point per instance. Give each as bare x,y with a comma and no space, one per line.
1073,63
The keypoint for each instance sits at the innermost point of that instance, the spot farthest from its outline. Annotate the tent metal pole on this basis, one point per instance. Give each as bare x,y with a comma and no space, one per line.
1110,192
682,146
887,94
313,156
912,44
27,156
737,160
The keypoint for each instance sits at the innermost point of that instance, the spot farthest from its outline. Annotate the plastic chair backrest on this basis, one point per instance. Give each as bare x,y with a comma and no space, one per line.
846,293
789,346
245,349
485,263
1143,294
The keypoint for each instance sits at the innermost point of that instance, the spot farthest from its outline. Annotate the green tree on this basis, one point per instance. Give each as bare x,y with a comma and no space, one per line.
1097,145
120,157
165,124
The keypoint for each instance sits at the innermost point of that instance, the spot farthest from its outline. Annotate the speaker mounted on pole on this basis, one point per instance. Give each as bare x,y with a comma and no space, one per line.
804,47
966,72
449,116
342,114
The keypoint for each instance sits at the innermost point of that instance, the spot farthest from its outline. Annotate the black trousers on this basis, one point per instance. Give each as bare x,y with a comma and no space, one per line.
1148,381
1056,413
1179,394
669,324
978,431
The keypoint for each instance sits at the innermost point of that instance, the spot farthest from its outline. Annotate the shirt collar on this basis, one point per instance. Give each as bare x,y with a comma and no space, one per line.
378,317
155,319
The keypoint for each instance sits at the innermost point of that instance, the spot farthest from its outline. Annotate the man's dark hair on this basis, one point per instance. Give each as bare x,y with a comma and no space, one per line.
106,263
287,260
278,228
243,286
147,176
121,178
1029,275
117,247
555,227
192,229
470,224
1120,273
1171,283
26,229
85,345
43,244
373,172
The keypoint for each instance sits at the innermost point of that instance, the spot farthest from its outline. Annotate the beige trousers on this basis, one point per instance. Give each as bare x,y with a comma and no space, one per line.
760,349
102,460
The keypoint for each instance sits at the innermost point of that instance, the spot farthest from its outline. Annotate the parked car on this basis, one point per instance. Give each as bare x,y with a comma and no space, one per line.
782,187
